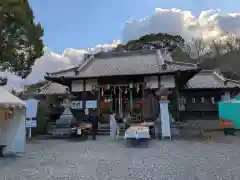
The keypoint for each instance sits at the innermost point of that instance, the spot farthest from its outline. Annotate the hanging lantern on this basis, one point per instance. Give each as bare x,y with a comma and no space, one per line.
138,88
212,100
108,86
130,85
193,100
146,85
126,91
102,92
114,90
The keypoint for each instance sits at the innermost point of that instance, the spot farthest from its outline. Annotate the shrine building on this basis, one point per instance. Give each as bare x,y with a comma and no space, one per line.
126,82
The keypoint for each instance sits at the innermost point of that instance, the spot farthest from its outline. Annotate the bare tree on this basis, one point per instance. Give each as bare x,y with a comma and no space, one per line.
232,43
225,52
197,49
227,44
216,48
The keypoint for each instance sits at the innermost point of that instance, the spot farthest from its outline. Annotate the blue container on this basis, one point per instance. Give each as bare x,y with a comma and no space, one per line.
230,110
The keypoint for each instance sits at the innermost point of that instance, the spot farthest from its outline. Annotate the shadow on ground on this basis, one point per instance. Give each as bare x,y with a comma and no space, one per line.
8,160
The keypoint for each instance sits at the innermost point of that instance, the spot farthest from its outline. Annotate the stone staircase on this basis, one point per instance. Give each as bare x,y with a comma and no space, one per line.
104,129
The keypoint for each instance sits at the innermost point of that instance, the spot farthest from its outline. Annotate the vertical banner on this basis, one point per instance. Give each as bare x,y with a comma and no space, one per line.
111,101
131,101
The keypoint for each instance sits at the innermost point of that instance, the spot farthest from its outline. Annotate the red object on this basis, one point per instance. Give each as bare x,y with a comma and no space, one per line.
138,105
105,105
226,123
10,115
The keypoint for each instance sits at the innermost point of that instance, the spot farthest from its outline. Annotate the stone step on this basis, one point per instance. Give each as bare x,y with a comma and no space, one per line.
106,131
109,128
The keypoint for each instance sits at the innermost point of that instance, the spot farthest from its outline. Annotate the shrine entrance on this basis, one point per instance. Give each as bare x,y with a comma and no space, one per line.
122,99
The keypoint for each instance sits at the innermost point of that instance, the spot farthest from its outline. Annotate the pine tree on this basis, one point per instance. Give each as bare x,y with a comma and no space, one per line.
20,37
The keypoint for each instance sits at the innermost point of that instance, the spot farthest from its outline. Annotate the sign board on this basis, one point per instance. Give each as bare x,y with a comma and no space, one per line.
76,104
91,104
32,106
31,113
31,123
79,131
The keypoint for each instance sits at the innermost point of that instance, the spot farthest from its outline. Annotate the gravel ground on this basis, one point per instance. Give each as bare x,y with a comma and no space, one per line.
217,158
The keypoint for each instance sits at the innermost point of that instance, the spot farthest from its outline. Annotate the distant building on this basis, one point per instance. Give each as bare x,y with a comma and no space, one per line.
199,97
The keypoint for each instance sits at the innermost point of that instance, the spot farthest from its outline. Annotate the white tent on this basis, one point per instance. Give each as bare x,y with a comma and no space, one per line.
12,122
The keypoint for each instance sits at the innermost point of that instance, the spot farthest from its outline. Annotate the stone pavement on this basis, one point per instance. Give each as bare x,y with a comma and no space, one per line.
104,160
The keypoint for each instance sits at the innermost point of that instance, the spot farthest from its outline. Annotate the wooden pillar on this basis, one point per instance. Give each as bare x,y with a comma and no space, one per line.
82,99
131,99
158,98
176,102
84,95
98,101
143,103
119,101
70,87
111,100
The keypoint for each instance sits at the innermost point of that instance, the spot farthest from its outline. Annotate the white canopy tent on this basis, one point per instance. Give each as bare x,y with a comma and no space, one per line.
12,122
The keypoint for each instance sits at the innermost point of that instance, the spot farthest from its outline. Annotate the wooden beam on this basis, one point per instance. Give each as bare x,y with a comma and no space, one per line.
84,95
143,103
117,85
177,95
119,101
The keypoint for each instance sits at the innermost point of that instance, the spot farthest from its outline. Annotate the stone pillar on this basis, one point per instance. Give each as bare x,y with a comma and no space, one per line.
164,119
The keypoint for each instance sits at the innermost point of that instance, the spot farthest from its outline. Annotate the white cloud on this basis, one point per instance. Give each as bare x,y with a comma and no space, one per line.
52,62
174,21
14,82
210,23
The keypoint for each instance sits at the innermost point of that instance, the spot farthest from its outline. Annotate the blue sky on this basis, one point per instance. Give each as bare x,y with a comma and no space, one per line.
82,24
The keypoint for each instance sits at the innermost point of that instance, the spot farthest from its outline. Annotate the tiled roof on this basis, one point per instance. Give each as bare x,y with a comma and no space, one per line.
52,88
210,80
7,99
123,63
71,72
64,73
